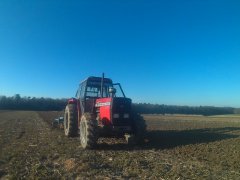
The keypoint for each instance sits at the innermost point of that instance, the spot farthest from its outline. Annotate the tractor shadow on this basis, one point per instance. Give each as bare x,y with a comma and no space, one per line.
160,139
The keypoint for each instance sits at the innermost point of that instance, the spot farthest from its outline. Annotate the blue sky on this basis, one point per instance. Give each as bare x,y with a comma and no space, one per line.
168,52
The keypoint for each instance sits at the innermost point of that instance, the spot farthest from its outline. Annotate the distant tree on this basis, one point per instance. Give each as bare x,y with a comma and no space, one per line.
17,97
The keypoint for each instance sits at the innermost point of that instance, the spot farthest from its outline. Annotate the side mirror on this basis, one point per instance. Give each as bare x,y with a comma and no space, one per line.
112,90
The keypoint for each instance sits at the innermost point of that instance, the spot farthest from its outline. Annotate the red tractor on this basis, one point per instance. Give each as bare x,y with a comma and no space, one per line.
98,110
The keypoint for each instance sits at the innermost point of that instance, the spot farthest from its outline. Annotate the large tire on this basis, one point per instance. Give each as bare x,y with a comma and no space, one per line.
70,121
139,127
88,131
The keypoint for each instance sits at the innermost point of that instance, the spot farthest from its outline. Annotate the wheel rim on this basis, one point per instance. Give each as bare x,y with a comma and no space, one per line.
83,133
66,124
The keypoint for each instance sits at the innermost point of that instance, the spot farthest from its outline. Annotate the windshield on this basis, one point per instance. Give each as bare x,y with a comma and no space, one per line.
93,89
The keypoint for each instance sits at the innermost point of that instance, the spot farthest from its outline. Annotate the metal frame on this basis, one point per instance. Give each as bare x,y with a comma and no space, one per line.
118,84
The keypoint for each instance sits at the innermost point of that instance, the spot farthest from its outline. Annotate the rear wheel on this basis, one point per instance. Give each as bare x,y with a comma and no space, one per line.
139,126
88,131
70,120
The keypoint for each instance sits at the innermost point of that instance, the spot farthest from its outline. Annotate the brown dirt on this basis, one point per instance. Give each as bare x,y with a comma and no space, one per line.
177,147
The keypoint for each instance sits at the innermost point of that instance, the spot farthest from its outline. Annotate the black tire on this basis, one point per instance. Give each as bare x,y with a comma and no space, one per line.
139,127
70,121
88,131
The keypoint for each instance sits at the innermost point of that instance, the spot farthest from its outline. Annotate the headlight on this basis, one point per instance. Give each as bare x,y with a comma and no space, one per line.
115,115
126,116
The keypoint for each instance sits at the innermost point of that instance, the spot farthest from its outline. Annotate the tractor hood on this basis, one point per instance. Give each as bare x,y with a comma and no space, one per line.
115,108
120,101
121,104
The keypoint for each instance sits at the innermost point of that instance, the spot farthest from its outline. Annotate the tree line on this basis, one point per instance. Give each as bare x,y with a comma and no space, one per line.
144,108
17,102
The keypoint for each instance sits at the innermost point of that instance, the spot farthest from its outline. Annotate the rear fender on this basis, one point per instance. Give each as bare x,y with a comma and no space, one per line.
72,101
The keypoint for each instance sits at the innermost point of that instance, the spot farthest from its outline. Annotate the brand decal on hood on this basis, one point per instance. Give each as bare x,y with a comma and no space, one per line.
99,104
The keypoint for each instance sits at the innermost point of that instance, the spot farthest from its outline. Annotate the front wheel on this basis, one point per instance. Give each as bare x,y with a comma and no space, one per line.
139,127
88,131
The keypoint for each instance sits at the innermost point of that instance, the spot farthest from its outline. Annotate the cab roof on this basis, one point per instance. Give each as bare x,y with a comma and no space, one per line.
96,79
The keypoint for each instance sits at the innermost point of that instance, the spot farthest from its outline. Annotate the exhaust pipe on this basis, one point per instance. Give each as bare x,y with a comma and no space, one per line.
102,85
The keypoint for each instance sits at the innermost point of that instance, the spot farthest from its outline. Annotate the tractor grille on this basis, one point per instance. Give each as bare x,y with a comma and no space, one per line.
121,109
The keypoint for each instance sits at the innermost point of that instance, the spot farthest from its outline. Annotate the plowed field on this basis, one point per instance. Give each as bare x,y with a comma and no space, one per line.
177,147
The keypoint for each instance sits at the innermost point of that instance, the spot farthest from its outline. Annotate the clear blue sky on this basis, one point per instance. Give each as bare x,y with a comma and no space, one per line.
169,52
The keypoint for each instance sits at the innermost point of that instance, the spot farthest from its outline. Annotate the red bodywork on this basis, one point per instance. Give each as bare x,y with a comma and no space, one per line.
104,105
